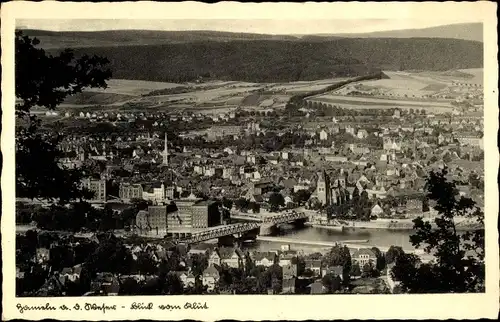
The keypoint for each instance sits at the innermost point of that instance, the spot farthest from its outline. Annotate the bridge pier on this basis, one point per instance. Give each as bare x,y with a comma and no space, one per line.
226,241
267,229
300,222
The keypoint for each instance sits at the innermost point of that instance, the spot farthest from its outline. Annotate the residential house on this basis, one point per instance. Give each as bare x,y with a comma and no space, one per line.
334,270
317,288
376,210
313,265
264,258
105,283
71,274
210,277
289,271
42,255
364,256
288,285
232,257
362,134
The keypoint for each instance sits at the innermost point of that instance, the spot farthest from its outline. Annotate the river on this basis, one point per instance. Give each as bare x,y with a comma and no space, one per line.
378,237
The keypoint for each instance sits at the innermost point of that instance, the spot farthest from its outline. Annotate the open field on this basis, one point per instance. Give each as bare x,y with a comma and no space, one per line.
369,101
133,87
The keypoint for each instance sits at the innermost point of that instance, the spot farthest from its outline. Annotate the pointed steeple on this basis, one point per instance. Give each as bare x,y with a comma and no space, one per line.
165,151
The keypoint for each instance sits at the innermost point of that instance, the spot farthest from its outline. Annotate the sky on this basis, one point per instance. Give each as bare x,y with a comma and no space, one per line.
263,26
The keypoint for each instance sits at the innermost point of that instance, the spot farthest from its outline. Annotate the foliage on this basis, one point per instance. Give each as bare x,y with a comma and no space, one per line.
45,80
393,253
276,200
355,269
459,265
332,282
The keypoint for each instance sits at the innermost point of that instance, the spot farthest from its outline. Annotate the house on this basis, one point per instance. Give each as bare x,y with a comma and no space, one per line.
376,210
364,256
323,135
264,258
210,277
317,288
232,257
313,265
105,283
71,274
334,270
288,286
362,134
42,255
286,260
190,280
289,271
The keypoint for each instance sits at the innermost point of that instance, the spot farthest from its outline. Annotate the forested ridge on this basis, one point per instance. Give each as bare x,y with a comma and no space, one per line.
265,60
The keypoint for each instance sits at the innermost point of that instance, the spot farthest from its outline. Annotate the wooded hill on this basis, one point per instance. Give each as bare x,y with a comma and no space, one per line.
267,60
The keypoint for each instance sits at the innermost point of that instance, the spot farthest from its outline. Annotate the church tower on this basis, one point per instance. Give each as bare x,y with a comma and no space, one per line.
165,151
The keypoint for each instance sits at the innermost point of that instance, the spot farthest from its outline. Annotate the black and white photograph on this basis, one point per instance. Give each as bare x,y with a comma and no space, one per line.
274,157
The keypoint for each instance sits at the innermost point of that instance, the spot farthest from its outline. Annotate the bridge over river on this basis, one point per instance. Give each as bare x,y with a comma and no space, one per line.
249,227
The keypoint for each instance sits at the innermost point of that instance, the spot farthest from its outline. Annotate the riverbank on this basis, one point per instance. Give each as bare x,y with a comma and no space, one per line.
308,242
400,224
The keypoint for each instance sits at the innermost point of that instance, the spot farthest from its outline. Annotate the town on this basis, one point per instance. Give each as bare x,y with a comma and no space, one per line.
215,187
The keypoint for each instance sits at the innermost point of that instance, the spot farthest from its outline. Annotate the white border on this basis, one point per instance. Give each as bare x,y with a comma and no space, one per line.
255,307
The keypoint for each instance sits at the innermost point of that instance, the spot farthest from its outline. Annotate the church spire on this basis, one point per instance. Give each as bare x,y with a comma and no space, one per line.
165,151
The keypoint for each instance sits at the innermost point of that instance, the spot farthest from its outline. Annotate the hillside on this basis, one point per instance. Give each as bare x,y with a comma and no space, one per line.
182,57
466,31
283,61
71,39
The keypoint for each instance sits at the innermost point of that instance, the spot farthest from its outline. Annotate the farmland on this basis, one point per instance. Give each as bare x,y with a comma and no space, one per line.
432,91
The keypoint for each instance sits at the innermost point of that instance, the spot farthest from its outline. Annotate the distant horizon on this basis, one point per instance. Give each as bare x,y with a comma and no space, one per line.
251,26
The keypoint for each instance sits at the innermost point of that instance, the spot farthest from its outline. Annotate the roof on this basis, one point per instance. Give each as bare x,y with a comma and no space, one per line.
317,288
336,270
364,251
258,256
313,262
211,271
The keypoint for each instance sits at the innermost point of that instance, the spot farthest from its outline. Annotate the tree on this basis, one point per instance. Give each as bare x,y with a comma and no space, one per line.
340,256
380,264
145,265
46,80
173,285
276,201
110,256
393,253
425,204
332,282
459,265
369,270
301,196
355,269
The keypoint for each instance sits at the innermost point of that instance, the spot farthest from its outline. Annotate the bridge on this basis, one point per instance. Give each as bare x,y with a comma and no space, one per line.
270,218
239,231
252,226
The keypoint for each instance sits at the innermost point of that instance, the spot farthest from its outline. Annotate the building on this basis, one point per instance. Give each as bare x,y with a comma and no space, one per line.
364,256
130,191
264,258
323,188
98,187
313,265
232,257
210,278
194,214
165,151
288,285
289,271
152,221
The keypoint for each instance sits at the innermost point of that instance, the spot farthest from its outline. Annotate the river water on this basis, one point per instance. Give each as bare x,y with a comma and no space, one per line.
375,237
